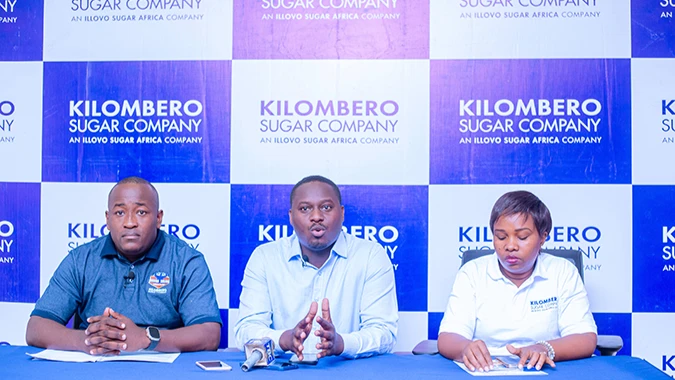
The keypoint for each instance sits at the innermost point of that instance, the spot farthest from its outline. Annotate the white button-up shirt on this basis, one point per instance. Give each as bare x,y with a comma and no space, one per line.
358,280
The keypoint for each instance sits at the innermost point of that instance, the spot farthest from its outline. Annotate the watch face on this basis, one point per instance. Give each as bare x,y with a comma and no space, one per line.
154,333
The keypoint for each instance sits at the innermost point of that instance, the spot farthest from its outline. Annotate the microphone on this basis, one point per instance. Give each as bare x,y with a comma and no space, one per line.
259,353
129,278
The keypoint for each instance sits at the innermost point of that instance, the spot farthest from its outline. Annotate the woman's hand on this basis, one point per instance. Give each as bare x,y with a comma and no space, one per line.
537,354
476,356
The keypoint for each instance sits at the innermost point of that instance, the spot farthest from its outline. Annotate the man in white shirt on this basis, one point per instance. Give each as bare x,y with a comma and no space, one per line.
288,280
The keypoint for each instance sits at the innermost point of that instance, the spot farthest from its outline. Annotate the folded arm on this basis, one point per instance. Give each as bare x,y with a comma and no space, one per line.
45,333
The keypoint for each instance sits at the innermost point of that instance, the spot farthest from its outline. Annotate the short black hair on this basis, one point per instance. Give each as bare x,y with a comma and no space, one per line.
139,181
526,203
316,178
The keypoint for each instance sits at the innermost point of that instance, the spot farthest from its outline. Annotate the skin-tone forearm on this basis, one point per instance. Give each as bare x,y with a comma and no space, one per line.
45,333
42,332
452,345
201,337
574,346
477,357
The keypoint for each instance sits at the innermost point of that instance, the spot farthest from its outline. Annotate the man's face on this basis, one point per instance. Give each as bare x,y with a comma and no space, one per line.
316,215
133,219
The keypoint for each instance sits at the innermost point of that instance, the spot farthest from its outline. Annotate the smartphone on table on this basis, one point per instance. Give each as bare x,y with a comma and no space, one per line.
310,359
505,362
213,365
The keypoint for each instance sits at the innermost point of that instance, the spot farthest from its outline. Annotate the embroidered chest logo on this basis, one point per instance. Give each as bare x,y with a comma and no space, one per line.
158,281
543,305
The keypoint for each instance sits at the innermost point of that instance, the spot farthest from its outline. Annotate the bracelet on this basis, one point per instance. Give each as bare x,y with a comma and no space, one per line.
551,351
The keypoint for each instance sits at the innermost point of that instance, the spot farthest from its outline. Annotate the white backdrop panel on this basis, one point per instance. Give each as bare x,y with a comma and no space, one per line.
271,92
71,214
134,30
21,121
412,329
15,318
653,120
474,29
206,213
595,219
653,339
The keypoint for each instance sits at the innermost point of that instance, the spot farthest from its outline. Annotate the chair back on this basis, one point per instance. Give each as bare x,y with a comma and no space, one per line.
573,255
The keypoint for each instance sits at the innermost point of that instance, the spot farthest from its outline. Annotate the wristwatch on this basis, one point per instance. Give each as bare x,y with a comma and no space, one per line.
153,334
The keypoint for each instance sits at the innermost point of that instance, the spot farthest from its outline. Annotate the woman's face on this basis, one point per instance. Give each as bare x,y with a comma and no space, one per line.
517,243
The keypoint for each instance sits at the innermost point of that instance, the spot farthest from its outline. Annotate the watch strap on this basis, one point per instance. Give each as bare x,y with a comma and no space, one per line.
153,341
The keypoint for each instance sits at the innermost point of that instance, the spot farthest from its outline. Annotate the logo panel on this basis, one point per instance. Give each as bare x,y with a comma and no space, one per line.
165,121
652,30
278,123
653,249
20,121
331,29
135,30
471,29
494,122
19,242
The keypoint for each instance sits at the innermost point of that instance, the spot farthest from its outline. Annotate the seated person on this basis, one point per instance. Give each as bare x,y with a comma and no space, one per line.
531,303
288,280
135,288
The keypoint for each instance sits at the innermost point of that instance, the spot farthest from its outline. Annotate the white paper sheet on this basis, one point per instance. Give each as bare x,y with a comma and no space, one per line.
81,357
503,372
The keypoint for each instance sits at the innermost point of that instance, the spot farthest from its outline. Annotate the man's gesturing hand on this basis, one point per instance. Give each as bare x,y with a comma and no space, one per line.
331,342
293,339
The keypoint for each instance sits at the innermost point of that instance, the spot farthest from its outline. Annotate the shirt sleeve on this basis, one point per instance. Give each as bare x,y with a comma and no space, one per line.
574,309
378,314
63,294
255,306
460,314
197,300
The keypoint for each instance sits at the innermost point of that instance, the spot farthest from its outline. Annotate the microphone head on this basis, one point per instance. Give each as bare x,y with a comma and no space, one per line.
131,275
265,347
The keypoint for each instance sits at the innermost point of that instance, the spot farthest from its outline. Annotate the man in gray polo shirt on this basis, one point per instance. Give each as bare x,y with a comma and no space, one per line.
135,288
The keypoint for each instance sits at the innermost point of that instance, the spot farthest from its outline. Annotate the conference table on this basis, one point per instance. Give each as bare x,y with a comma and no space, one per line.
15,364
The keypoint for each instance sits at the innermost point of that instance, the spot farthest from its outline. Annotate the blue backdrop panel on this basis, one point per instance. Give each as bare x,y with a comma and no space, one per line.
493,122
21,30
653,28
19,242
653,249
165,121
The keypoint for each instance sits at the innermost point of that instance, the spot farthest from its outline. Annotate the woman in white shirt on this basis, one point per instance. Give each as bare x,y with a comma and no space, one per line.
518,301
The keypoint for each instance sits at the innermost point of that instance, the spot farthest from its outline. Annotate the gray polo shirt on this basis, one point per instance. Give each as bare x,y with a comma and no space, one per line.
172,286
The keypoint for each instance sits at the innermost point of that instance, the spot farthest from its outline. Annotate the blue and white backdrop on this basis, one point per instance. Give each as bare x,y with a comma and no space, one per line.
423,111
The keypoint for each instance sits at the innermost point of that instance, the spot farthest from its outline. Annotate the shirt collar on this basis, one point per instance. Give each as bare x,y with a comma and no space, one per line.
495,273
339,248
152,254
